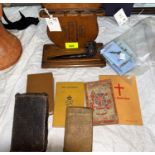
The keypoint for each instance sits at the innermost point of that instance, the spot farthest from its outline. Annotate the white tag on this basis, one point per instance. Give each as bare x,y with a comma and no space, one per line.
120,17
53,24
122,56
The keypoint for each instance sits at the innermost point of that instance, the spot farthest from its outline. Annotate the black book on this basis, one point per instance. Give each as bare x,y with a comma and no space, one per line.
30,124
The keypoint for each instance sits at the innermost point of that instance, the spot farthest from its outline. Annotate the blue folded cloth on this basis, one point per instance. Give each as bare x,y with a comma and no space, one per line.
118,58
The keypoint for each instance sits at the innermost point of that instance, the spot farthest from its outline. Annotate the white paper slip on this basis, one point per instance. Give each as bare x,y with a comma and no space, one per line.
122,56
53,24
121,17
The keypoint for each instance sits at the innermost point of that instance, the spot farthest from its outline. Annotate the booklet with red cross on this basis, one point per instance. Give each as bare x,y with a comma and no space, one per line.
126,99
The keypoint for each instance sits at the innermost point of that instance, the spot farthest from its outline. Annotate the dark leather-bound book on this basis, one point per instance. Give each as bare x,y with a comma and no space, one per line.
78,130
42,83
30,126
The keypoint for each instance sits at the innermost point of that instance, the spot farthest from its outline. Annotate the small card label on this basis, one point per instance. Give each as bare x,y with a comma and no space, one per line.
122,56
120,17
71,45
53,24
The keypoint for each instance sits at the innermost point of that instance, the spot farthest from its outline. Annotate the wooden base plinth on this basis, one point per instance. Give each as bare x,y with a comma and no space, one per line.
51,51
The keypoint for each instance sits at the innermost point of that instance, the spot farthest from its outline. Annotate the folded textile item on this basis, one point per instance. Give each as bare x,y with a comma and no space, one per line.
119,57
125,68
113,53
30,126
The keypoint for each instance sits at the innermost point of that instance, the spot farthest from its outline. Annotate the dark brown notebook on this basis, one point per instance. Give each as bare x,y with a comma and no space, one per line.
42,83
78,130
30,128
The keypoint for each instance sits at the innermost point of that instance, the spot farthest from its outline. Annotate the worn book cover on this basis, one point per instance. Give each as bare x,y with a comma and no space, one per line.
42,83
30,123
67,94
99,96
126,98
78,129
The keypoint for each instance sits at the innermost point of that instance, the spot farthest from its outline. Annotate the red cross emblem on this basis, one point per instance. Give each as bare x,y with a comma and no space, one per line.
119,89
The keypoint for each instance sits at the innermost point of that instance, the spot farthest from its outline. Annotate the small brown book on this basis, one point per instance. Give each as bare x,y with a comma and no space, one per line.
42,83
78,130
30,123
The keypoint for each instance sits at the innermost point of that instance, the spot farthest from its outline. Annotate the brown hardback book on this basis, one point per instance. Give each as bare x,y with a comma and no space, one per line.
30,128
99,97
42,83
78,130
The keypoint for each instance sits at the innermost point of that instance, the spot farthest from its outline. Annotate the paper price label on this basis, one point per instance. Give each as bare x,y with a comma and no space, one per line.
53,24
122,56
71,45
121,17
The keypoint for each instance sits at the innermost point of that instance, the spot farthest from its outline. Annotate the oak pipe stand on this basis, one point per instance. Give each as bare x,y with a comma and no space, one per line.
79,25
